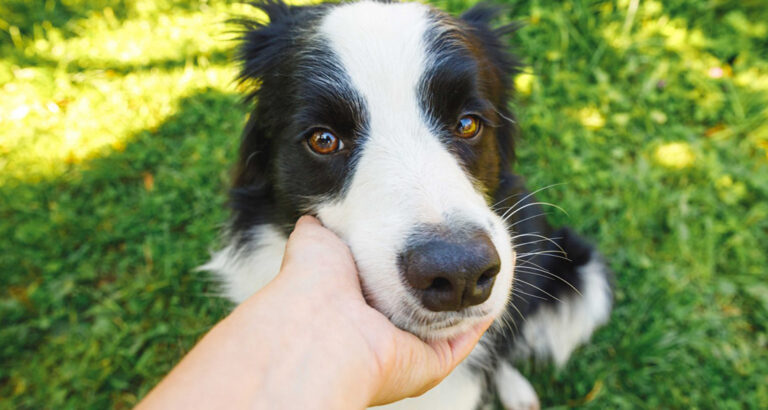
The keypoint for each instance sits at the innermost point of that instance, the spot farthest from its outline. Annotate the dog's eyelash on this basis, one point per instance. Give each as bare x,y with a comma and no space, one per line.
484,120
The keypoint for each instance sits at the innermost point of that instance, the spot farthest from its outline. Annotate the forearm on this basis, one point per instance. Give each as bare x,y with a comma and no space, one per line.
250,360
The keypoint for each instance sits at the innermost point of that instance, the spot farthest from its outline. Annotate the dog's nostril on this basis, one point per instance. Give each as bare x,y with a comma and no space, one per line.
440,285
487,276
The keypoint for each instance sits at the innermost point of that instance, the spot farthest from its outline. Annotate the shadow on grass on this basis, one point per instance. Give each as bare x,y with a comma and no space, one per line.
98,295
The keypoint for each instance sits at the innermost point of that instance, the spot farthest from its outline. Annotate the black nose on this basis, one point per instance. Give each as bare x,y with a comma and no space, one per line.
451,273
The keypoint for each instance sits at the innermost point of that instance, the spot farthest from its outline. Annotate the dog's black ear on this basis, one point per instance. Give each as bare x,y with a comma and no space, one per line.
264,54
264,44
494,39
506,65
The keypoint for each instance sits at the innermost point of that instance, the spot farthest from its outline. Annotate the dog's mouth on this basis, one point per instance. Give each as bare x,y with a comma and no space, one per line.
412,317
445,325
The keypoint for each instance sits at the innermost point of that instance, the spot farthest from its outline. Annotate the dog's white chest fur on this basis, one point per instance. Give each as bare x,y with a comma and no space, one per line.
243,269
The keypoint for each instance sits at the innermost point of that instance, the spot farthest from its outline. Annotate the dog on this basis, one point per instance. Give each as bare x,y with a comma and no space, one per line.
390,123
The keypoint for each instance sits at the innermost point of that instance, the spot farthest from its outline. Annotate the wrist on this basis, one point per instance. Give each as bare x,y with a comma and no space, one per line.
302,361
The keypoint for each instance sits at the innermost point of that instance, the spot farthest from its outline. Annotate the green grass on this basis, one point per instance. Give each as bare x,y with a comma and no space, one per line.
119,121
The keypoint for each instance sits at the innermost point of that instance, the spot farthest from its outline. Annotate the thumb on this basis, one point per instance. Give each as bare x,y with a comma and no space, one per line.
451,352
463,345
419,366
314,253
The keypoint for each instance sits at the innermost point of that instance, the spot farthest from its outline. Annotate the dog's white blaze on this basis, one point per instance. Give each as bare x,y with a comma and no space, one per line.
243,271
404,176
555,331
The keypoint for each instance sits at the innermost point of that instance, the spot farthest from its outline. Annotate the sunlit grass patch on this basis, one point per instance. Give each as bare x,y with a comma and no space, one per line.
524,83
676,155
174,37
51,123
94,91
591,118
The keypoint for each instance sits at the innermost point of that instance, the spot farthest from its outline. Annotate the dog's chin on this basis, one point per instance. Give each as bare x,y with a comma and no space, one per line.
449,330
443,325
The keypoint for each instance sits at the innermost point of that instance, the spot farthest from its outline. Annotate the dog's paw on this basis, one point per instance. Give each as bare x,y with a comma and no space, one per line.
515,391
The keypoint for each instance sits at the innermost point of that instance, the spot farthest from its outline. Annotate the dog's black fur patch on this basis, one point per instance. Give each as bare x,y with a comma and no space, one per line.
277,186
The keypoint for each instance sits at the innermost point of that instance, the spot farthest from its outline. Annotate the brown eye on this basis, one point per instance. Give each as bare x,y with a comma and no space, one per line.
468,126
324,142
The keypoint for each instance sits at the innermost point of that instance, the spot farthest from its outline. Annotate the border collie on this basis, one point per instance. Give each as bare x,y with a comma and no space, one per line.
390,123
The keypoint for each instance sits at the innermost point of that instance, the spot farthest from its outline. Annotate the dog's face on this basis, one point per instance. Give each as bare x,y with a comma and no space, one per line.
388,121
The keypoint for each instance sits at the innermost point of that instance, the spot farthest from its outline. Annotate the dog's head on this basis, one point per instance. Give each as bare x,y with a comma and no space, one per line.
389,122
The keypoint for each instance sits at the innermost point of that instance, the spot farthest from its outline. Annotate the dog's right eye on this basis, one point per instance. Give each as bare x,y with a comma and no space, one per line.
324,142
468,126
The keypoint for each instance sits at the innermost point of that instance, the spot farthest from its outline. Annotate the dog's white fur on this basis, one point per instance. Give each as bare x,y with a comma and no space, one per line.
244,269
405,176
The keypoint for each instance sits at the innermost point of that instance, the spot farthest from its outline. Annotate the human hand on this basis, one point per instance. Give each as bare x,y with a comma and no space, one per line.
319,274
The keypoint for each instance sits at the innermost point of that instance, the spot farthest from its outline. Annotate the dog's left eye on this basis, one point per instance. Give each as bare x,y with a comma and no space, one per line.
468,126
324,142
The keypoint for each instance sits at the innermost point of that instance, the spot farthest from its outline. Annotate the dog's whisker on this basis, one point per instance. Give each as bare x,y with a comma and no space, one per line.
537,235
517,245
526,219
504,117
540,289
551,276
506,217
505,198
528,268
532,194
552,254
520,292
521,299
527,264
250,156
541,275
543,252
531,269
522,317
506,320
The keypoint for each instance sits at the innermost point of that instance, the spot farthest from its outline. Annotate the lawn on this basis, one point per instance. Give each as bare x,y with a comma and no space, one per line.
119,121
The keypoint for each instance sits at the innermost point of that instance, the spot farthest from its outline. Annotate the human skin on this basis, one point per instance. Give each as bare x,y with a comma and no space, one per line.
309,340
